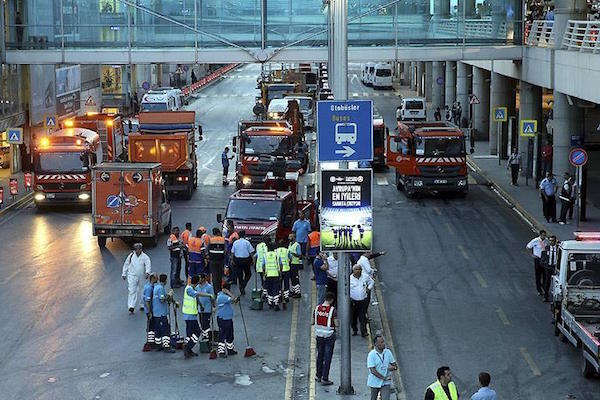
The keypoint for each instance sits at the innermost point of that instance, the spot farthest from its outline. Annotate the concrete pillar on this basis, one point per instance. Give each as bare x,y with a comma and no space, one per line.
469,8
481,111
428,80
441,8
413,75
564,10
530,107
405,81
450,95
463,86
568,120
500,92
420,74
437,95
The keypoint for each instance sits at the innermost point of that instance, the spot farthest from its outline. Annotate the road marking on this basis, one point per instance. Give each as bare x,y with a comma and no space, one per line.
313,349
450,229
480,279
354,94
381,180
437,211
532,365
10,277
211,180
502,317
463,251
289,378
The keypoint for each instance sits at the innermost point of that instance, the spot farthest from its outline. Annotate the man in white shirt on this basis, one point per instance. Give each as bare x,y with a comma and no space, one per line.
549,262
136,269
365,263
360,285
242,251
537,246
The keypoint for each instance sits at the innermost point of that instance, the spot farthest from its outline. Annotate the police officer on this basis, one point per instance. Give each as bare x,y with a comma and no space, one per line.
225,321
443,388
261,250
295,265
216,256
174,245
160,310
205,306
284,258
190,315
148,291
270,265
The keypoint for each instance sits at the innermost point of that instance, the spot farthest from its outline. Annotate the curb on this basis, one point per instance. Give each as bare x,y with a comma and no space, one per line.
532,221
17,203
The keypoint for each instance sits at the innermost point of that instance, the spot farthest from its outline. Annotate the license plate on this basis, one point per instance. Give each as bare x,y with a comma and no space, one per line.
440,181
50,195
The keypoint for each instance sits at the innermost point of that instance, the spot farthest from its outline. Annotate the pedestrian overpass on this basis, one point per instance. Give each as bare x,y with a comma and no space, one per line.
211,31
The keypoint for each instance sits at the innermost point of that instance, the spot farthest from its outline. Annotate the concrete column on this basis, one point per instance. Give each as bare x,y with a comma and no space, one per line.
530,107
441,9
428,80
420,74
469,8
413,75
568,120
463,86
405,81
450,95
481,111
500,92
437,95
564,10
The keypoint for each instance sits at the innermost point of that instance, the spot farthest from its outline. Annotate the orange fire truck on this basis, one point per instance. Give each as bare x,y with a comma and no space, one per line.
428,157
257,144
61,166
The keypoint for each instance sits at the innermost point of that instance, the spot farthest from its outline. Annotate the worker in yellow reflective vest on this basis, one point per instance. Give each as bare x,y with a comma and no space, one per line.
261,250
284,258
190,314
272,270
443,388
295,265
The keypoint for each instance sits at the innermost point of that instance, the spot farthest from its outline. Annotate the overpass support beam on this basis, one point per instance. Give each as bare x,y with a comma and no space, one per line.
500,92
568,120
450,95
428,80
405,80
530,107
437,81
481,111
413,75
463,86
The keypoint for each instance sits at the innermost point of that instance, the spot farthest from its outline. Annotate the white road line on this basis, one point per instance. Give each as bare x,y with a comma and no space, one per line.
212,180
502,317
480,279
463,251
381,180
532,365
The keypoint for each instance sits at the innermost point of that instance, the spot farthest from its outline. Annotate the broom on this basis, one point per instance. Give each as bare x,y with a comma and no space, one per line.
249,350
213,352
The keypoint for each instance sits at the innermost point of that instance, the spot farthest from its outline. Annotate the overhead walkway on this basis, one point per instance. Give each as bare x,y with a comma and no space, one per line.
125,31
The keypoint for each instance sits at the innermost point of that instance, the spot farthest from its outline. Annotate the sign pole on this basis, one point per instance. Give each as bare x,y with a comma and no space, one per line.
499,138
578,192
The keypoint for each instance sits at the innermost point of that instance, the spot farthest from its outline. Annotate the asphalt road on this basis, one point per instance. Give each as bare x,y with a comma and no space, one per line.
459,290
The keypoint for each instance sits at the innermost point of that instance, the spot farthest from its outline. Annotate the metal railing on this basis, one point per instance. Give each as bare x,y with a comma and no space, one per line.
541,34
471,28
582,36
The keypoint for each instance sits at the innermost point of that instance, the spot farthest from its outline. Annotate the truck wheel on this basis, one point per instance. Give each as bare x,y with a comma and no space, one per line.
102,242
167,229
587,369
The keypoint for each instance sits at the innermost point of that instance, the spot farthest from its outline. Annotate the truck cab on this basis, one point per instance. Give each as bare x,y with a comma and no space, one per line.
576,298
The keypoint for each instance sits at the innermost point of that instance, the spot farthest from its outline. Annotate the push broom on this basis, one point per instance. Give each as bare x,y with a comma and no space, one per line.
213,352
249,350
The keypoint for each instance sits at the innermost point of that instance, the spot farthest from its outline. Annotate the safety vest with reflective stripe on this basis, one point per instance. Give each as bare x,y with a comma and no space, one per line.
195,249
283,254
216,248
190,304
440,394
294,249
261,250
324,324
271,266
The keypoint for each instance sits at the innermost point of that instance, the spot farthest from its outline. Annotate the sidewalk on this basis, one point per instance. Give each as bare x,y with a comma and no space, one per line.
19,199
525,198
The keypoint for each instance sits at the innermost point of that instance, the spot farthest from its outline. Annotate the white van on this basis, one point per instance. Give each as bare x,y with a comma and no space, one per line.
277,108
382,78
162,99
367,73
412,109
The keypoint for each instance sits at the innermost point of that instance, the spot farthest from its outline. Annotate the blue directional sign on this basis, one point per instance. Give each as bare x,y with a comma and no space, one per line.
15,135
578,157
528,127
345,130
499,114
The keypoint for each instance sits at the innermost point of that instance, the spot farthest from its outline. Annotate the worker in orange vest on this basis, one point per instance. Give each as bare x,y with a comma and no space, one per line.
216,257
185,237
174,246
314,244
205,240
195,255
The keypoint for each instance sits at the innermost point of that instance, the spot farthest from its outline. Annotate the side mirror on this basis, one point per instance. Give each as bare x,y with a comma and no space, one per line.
472,150
220,218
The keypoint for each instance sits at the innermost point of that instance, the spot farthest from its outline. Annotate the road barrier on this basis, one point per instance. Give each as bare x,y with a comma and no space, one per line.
194,87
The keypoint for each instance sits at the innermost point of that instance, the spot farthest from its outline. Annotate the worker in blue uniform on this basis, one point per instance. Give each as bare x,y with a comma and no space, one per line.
225,320
160,311
147,293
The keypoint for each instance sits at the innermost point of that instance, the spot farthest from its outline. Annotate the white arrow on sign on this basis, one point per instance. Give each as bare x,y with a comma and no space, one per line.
347,151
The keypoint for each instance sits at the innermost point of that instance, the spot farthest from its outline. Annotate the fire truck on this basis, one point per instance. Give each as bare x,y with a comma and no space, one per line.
428,157
110,129
61,166
257,144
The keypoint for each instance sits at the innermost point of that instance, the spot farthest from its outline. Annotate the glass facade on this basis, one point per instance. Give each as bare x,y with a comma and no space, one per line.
218,23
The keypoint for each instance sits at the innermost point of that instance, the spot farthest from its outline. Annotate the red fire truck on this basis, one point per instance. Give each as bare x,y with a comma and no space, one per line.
428,157
110,129
61,166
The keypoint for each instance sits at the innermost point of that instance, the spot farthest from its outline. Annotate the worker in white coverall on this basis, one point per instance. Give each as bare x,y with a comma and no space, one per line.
136,269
